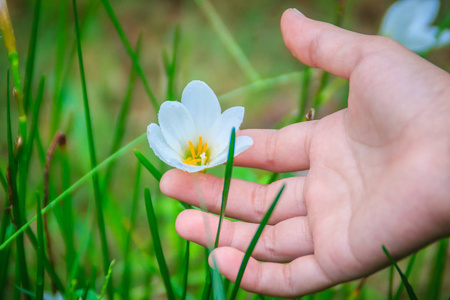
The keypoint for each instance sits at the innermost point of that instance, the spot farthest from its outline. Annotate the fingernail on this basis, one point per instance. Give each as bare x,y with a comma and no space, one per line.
297,12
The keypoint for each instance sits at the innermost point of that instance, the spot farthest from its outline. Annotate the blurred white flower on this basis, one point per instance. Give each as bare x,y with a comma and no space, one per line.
194,135
50,296
409,22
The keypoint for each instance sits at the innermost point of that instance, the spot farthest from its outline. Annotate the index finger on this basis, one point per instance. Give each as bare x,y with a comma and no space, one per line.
283,150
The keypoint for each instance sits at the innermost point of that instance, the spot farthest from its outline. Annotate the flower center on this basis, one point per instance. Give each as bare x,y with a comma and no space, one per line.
199,157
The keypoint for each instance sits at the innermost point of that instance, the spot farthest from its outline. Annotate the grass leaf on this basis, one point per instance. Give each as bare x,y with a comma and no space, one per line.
126,277
253,242
148,165
226,183
437,272
40,278
92,156
152,223
29,72
228,40
408,287
131,53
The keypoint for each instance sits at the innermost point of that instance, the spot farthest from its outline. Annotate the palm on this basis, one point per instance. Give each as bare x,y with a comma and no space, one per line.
376,172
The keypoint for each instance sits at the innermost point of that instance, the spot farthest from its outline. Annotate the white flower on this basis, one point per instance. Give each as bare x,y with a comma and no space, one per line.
409,22
194,135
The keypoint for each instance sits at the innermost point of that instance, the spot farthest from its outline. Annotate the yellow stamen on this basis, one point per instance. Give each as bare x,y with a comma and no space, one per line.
199,146
192,150
204,148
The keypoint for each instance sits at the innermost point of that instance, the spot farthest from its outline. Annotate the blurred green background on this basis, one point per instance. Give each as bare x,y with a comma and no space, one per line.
201,55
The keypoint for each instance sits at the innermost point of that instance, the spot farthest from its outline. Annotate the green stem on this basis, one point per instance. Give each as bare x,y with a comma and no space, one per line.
130,52
74,186
92,156
31,55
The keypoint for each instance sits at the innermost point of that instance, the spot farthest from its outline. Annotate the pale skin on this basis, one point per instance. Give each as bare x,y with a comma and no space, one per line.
379,172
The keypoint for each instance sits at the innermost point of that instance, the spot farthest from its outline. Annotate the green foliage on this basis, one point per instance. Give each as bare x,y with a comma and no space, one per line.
97,213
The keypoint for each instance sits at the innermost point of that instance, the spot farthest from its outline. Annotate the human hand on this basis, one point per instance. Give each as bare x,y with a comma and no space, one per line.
378,171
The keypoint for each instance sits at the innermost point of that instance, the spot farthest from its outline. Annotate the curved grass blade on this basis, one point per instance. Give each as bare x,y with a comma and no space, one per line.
226,183
252,245
228,40
123,115
14,200
67,192
3,182
107,279
40,278
408,287
92,155
398,293
126,277
437,273
170,66
185,270
130,52
157,245
148,165
304,93
29,71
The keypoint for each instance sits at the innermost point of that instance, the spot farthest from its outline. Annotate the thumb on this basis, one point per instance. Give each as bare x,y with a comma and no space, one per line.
325,46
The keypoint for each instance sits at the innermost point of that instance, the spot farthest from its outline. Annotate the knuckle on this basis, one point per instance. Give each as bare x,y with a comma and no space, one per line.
258,201
271,145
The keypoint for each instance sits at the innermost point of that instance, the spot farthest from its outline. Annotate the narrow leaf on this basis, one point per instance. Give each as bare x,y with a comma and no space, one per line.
226,183
253,242
40,278
152,223
408,287
148,165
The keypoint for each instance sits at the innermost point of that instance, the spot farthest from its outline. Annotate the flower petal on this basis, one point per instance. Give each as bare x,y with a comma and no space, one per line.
219,135
202,103
177,125
160,147
242,143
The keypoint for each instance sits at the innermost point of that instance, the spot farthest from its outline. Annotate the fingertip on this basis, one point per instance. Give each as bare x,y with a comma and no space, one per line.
228,261
168,181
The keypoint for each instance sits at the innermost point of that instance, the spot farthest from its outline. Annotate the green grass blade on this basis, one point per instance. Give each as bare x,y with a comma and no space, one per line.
74,186
126,277
123,115
408,287
398,293
171,65
228,40
304,93
92,156
3,183
29,71
436,279
107,280
226,183
47,265
130,52
67,211
61,44
27,152
252,245
148,165
262,85
22,272
157,245
40,278
206,294
391,282
85,237
185,270
7,230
